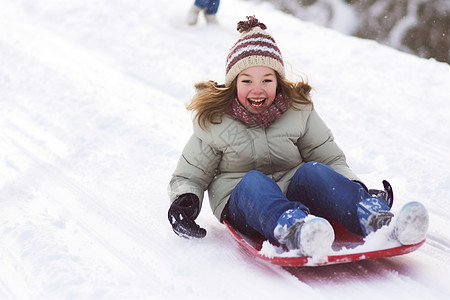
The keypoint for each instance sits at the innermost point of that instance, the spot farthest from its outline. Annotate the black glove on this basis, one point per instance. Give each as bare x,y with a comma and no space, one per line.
387,195
182,213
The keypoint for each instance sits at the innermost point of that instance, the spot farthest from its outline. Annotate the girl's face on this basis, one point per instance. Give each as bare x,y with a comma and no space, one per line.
256,88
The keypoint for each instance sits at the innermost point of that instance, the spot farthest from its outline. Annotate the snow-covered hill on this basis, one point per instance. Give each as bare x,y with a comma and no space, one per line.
92,121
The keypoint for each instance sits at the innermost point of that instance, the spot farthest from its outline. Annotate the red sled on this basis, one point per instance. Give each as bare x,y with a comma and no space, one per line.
343,238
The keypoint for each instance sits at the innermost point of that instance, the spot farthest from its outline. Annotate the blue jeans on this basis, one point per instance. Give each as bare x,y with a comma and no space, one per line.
257,202
211,6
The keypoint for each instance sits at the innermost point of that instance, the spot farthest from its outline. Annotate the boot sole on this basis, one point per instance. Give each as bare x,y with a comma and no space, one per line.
316,237
412,223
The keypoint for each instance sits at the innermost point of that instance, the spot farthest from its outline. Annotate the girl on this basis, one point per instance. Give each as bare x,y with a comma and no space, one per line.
270,164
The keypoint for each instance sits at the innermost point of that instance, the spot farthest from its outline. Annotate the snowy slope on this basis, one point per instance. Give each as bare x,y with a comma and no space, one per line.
92,121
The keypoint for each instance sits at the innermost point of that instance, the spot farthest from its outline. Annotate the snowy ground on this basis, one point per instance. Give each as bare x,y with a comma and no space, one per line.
92,121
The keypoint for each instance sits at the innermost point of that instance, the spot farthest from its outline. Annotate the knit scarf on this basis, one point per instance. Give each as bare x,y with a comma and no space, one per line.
266,118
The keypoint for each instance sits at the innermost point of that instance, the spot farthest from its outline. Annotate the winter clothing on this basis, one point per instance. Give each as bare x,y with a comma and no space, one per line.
192,15
217,158
315,188
209,7
411,224
248,216
387,195
266,172
373,213
256,47
312,237
266,118
182,213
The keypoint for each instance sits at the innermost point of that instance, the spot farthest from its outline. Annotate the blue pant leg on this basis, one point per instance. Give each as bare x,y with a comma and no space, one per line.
258,202
201,3
211,6
329,194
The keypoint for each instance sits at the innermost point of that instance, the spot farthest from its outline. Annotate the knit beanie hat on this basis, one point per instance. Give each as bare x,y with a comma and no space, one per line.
256,47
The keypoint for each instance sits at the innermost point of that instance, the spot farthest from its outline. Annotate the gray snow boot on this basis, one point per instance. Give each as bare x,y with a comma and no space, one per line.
211,19
371,216
312,236
192,15
411,224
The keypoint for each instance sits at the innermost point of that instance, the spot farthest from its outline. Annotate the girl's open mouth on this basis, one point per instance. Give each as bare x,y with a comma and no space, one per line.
257,103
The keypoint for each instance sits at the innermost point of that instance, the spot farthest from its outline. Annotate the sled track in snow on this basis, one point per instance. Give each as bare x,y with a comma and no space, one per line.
84,201
84,216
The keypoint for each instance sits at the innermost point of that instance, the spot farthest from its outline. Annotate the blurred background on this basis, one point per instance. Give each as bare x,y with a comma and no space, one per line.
420,27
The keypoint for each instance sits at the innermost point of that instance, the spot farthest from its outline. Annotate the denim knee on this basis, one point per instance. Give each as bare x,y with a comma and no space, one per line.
314,167
252,177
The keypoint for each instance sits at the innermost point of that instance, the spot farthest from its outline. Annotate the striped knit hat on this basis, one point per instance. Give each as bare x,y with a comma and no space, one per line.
256,47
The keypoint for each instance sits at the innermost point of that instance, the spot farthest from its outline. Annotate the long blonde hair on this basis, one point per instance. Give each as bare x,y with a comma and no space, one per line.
212,100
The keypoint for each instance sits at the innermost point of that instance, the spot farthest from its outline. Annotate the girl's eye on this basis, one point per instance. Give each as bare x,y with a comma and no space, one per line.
268,80
245,81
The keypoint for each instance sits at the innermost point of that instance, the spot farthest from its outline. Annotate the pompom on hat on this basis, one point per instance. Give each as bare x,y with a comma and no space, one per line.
256,47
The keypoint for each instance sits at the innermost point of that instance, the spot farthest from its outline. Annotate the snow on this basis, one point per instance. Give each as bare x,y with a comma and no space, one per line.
93,120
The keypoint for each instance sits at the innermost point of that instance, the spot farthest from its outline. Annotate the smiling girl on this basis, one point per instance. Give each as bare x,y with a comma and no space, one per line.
270,164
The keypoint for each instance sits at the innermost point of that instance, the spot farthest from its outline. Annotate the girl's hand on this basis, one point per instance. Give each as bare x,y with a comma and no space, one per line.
182,214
